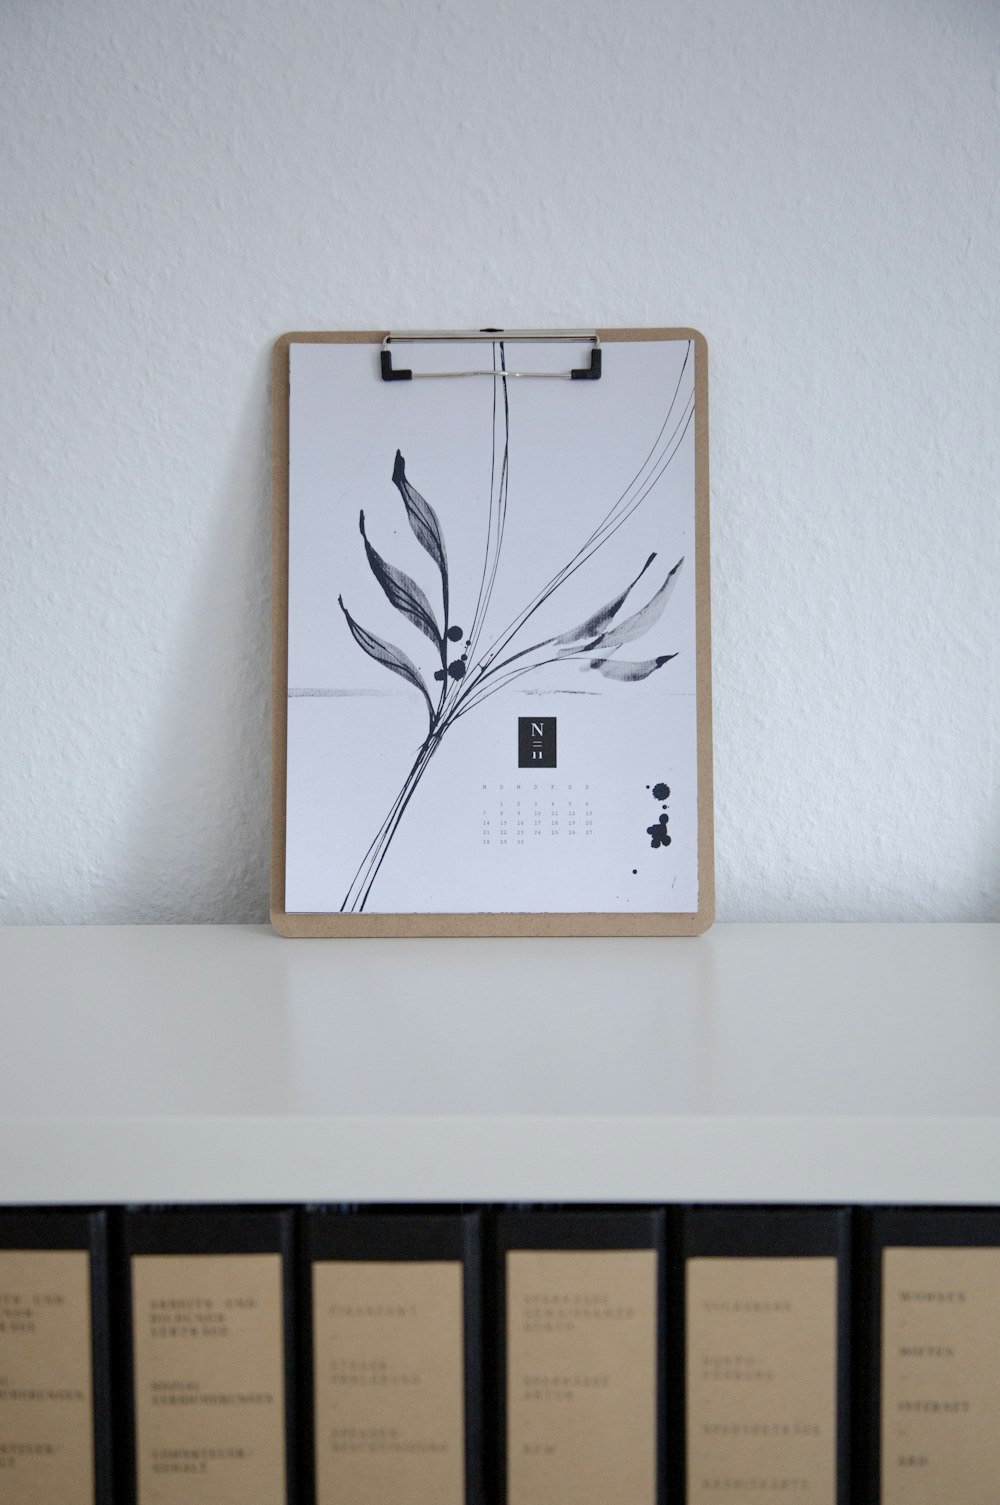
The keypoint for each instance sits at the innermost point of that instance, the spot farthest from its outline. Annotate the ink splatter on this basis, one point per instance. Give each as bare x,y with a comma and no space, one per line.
658,834
634,871
456,668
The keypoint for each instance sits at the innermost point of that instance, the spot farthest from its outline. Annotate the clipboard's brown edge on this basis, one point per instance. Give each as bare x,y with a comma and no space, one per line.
385,926
525,926
279,624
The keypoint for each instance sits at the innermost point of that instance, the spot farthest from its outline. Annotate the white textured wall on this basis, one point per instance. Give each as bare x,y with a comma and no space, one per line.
812,184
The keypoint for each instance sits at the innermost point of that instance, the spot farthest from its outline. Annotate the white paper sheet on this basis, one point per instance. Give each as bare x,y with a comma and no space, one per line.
399,802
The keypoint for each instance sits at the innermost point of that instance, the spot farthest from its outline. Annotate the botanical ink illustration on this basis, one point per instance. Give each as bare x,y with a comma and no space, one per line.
469,673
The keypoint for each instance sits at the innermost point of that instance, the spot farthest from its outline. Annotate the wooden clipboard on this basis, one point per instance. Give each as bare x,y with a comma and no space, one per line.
298,922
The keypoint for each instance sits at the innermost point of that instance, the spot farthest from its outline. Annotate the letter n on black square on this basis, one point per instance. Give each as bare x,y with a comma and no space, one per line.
536,742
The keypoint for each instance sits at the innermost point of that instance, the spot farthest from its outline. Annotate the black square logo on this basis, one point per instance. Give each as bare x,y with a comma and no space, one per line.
536,742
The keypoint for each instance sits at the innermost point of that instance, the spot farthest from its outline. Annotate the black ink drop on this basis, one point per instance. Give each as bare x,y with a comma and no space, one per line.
454,633
634,871
658,833
660,791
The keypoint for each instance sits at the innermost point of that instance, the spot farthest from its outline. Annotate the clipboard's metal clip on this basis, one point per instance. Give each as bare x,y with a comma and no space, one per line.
524,336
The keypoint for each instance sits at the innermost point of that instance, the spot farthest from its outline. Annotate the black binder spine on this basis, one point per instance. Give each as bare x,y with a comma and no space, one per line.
328,1234
900,1227
60,1228
585,1229
761,1232
200,1230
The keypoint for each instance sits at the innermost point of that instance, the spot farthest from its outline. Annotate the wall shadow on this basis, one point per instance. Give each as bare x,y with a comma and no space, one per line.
197,844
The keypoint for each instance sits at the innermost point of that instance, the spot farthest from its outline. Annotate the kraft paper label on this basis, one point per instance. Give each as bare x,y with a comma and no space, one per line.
581,1377
209,1379
389,1363
940,1376
761,1375
46,1378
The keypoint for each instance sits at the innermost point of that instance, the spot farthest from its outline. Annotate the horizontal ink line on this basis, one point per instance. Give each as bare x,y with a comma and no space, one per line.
377,693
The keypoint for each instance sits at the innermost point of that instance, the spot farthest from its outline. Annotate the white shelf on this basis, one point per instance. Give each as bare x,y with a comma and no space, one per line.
757,1063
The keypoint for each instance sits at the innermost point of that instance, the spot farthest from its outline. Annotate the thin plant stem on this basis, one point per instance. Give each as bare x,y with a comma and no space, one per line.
380,838
609,521
485,669
405,795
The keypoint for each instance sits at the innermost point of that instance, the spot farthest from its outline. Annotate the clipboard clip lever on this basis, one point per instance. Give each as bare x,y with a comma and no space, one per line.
575,336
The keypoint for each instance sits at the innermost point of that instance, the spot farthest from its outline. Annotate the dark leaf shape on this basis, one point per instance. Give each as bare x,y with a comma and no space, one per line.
628,673
601,619
423,521
404,594
386,653
640,621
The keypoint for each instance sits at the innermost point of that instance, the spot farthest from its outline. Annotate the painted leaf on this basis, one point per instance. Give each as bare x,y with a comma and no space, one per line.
601,619
641,621
385,653
628,673
404,594
423,521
